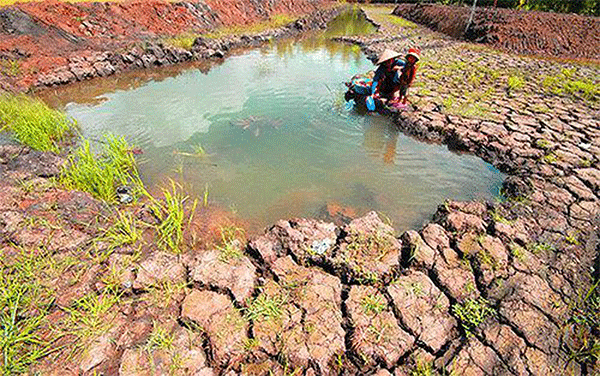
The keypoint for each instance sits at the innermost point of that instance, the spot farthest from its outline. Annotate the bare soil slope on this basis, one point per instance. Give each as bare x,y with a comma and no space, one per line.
37,37
539,33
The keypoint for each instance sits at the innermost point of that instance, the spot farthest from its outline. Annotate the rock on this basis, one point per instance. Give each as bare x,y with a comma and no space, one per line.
376,335
159,268
508,346
99,351
187,346
591,177
576,186
237,275
369,252
37,163
463,222
280,331
104,68
435,236
455,275
299,236
424,309
217,317
489,252
477,359
268,247
318,295
534,326
82,70
134,363
416,251
516,186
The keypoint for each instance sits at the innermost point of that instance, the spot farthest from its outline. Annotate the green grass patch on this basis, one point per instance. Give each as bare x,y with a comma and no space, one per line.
583,327
232,240
568,84
9,67
89,318
171,215
35,124
100,174
265,308
181,41
515,83
472,313
273,22
123,231
27,293
373,304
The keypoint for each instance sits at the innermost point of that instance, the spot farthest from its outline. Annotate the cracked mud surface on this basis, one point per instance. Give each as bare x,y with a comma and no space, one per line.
320,299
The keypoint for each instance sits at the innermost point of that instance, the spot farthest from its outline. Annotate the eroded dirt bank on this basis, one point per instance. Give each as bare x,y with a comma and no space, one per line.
484,289
567,36
51,43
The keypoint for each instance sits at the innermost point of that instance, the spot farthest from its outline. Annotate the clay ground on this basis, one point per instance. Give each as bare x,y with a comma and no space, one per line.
484,289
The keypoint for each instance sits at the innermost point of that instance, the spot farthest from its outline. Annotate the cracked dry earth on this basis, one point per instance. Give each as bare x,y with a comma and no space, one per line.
313,298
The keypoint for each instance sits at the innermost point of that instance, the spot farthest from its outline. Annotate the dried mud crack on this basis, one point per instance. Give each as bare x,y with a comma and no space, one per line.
484,289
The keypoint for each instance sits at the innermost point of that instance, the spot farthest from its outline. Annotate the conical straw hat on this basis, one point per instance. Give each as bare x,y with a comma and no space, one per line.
386,55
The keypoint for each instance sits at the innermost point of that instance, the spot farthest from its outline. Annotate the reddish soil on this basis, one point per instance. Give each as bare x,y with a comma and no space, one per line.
556,35
40,36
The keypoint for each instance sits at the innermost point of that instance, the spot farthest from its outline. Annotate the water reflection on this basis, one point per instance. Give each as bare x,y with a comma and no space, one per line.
266,132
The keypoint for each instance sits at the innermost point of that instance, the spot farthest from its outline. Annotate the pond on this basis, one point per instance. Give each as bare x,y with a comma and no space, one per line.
268,135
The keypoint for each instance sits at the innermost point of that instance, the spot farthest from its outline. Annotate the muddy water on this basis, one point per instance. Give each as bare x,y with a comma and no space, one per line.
268,135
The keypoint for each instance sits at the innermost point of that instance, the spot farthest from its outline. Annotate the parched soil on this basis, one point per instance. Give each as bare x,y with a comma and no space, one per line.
483,289
567,36
49,43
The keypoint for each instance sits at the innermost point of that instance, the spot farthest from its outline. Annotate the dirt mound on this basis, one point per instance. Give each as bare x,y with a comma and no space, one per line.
38,37
538,33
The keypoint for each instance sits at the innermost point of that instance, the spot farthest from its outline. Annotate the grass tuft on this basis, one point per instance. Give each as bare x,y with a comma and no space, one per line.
232,240
171,215
35,124
123,231
101,174
373,304
472,313
181,41
273,22
265,308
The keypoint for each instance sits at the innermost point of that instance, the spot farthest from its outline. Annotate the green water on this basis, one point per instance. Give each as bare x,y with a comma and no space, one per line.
268,135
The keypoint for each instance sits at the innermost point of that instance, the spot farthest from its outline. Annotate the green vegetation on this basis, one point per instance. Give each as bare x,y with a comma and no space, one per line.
587,7
583,327
35,124
27,292
232,239
566,82
538,247
550,158
373,304
9,67
101,174
572,238
543,144
275,21
171,215
185,41
472,313
515,83
123,231
517,252
89,318
159,338
265,308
